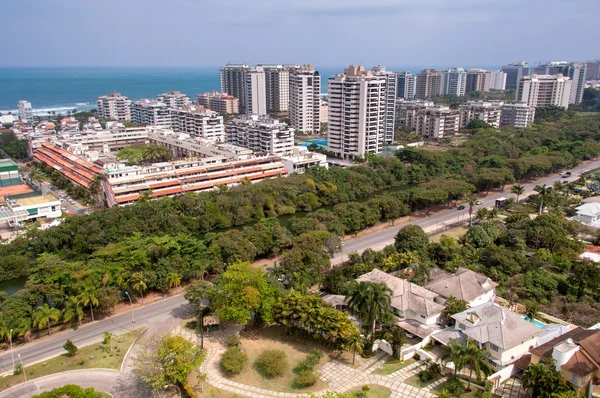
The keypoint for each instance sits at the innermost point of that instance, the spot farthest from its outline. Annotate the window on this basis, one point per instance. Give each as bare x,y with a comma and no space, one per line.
574,378
494,347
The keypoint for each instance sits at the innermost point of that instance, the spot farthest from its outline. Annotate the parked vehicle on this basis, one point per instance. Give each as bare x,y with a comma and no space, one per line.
479,202
461,207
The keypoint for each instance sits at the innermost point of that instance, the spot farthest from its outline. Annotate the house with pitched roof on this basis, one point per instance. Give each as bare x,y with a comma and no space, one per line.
588,213
464,284
414,307
576,355
505,335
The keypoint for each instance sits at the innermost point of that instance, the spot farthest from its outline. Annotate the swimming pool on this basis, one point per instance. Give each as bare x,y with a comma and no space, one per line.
536,322
319,141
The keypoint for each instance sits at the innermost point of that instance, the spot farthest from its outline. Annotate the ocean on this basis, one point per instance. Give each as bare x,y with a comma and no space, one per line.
65,89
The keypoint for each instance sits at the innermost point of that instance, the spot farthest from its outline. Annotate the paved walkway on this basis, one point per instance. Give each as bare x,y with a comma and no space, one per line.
340,377
512,388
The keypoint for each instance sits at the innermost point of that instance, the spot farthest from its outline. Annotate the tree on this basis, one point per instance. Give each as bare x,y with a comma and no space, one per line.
471,202
372,301
71,391
532,308
44,315
72,310
518,190
455,352
242,291
198,295
476,358
482,214
412,238
165,359
138,283
173,280
477,124
89,296
356,342
542,190
454,306
543,380
70,348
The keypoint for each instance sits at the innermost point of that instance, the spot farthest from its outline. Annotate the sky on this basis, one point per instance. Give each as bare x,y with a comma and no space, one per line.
327,33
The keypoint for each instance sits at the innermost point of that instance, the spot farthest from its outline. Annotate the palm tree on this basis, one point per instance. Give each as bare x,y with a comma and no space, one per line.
542,190
477,361
372,301
492,214
4,329
532,309
482,214
518,190
455,353
44,315
454,306
173,280
138,283
356,343
89,296
471,201
558,186
72,310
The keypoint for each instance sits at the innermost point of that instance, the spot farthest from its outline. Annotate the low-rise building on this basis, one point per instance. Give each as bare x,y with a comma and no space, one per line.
222,103
576,355
519,115
414,307
489,112
503,334
436,122
30,208
261,133
150,112
301,160
199,122
406,111
104,141
588,213
464,284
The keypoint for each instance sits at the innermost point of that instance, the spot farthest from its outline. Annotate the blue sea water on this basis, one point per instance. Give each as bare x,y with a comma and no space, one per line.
54,89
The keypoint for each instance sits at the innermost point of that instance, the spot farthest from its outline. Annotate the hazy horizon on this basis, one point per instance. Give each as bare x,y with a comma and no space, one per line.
202,34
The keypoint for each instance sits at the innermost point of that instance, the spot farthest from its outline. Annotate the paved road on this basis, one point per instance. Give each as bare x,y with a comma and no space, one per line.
160,316
378,240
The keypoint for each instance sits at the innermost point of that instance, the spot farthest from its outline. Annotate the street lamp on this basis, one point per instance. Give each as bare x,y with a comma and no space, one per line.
12,355
132,318
175,385
24,374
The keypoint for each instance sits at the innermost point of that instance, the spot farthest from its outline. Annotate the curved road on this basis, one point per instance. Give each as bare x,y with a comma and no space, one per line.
378,240
160,316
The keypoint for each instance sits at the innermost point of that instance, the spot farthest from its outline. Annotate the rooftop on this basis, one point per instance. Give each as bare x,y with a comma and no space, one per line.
36,200
464,284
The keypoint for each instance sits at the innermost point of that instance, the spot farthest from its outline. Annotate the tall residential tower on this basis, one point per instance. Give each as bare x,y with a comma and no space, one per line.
305,99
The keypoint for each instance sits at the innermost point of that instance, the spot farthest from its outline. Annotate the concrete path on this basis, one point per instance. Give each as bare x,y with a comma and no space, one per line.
340,377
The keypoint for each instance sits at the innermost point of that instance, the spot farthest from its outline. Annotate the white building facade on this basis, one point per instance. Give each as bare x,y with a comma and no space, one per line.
198,122
545,90
114,106
489,112
150,112
261,133
174,99
519,115
497,80
25,111
256,95
455,82
305,99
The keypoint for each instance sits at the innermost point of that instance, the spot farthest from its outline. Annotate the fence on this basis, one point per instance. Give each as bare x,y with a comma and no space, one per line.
447,227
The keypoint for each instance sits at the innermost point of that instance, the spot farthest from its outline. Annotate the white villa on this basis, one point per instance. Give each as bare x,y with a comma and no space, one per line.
588,213
464,284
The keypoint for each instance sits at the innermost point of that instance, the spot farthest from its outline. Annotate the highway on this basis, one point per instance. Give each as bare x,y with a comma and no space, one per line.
378,240
159,316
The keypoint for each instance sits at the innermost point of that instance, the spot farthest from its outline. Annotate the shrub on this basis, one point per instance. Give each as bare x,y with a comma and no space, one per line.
70,348
233,361
310,361
305,378
18,369
271,363
233,341
456,386
367,351
69,390
416,356
425,376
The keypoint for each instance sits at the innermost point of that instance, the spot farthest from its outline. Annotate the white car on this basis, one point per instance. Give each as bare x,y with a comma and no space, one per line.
479,202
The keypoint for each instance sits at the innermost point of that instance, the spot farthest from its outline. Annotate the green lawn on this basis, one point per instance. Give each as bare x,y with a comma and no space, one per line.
415,381
92,356
392,365
374,392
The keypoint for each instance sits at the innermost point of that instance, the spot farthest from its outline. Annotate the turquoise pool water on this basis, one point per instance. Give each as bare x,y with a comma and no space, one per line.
536,322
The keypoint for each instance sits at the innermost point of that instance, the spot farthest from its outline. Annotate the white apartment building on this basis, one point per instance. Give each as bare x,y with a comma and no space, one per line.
406,111
150,112
104,141
174,99
429,84
478,80
25,111
256,95
324,111
549,68
199,122
407,85
455,82
577,72
358,104
497,80
277,86
489,112
519,115
390,102
114,106
222,103
233,82
305,99
544,90
261,133
436,122
301,160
